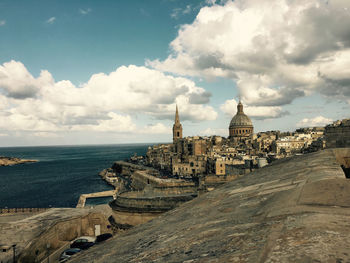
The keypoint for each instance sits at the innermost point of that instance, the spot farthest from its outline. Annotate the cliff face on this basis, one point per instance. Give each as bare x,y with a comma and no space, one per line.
296,210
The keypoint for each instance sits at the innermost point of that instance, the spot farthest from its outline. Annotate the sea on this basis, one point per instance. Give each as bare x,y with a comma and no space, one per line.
61,174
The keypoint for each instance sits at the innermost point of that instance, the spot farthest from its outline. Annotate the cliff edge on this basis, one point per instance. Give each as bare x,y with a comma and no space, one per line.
296,210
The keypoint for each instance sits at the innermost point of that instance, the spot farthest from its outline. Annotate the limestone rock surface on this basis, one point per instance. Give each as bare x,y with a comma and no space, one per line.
296,210
8,161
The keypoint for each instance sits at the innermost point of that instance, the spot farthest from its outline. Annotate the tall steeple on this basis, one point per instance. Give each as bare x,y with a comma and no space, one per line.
177,127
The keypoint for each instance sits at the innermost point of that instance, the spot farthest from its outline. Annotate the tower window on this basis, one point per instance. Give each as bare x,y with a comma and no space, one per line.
177,134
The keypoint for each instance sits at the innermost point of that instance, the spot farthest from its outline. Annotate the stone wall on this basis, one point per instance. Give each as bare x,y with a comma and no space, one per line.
60,234
135,208
140,179
127,169
338,134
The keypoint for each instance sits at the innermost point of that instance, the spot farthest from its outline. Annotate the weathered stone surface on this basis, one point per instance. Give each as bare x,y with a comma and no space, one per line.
281,213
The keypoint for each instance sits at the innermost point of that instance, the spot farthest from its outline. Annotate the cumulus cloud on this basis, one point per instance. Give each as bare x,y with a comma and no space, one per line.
2,22
17,82
105,103
314,122
51,20
275,50
158,128
255,112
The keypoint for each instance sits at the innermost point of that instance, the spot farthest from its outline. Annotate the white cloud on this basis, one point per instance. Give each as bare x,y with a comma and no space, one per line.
275,50
85,11
210,2
2,22
17,82
107,102
51,20
177,12
256,112
158,128
314,122
114,123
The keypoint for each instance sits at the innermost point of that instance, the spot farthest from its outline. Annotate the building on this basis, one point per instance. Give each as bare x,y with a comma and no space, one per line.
240,126
177,127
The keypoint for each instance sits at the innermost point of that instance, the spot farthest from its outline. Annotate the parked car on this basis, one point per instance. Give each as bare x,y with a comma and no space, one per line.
83,243
65,256
103,237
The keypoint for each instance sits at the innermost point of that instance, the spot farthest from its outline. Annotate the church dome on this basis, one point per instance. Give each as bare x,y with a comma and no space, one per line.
240,125
239,120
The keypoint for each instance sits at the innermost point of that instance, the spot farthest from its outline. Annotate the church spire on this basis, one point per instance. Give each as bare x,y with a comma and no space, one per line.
177,127
177,118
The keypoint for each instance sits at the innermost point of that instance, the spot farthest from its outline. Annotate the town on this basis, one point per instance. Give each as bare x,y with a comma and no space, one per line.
242,152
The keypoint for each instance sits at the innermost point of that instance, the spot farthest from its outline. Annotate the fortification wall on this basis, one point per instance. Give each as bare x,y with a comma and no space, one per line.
127,169
133,218
338,136
129,208
133,203
140,179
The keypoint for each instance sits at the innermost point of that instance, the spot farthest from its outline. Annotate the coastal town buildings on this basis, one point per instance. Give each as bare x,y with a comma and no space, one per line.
240,153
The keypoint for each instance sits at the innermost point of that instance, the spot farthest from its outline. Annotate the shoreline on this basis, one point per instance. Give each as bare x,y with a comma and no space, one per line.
10,161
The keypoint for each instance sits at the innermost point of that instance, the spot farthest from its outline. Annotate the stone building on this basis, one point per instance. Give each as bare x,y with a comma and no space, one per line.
240,126
177,127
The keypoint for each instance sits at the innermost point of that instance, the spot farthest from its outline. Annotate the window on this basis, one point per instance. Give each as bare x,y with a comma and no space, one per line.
178,134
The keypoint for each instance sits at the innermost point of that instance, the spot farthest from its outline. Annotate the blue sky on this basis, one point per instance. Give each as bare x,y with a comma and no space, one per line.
87,36
82,72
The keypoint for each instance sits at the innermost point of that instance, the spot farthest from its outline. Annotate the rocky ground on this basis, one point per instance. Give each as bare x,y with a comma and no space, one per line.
7,161
296,210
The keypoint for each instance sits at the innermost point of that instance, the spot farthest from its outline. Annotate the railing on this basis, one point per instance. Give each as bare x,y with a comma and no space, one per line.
21,210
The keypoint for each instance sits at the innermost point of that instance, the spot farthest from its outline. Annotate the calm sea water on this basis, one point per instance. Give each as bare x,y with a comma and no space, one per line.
62,174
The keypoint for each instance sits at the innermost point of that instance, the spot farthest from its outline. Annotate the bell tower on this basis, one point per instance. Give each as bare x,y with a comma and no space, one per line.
177,127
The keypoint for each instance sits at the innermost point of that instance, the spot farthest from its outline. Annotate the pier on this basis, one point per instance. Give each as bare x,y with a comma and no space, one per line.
83,197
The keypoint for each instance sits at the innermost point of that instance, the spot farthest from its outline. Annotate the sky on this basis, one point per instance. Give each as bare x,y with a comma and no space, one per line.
106,72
